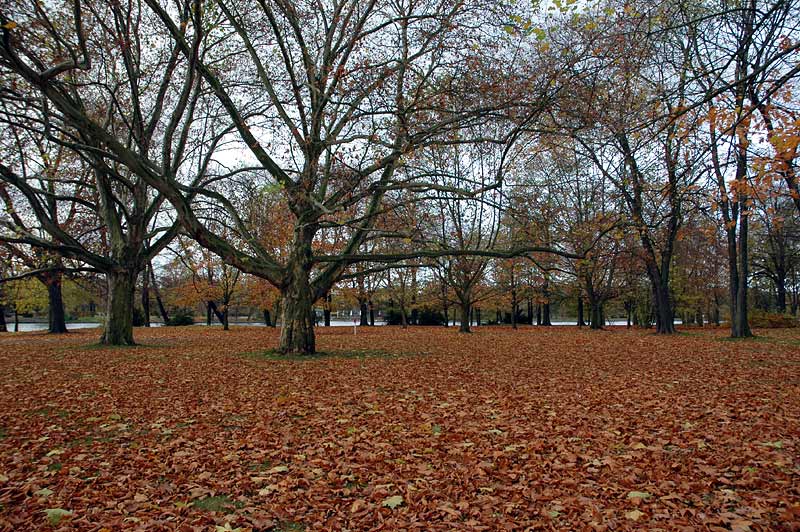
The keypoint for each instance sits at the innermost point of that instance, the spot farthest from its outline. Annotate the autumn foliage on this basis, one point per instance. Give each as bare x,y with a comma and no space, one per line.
419,429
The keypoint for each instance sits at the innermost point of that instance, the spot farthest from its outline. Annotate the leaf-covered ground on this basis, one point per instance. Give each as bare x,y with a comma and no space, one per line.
425,429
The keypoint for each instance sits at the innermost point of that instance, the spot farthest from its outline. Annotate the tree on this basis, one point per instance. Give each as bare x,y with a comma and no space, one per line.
97,113
356,88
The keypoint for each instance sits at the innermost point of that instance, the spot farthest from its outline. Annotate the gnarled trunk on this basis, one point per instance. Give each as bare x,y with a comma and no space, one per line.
118,324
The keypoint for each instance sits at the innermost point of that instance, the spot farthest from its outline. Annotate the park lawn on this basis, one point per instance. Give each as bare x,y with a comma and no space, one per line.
420,429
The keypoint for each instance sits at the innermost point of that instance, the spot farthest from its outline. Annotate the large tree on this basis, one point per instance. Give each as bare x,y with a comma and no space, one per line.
319,102
68,87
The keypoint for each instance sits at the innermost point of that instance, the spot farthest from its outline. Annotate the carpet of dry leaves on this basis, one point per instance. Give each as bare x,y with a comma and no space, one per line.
422,429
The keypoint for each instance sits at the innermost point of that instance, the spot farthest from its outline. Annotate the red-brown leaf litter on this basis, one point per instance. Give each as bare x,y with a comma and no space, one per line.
419,429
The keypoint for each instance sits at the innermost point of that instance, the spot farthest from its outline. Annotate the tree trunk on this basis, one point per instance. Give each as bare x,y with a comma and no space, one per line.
477,316
740,328
118,325
546,315
371,314
16,320
327,309
146,297
665,321
3,326
513,309
276,310
55,307
546,305
466,310
297,325
364,313
596,317
219,314
538,314
225,314
780,285
208,313
267,318
161,309
581,321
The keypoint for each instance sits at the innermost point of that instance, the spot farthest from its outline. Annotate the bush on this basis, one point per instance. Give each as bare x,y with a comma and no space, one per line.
180,318
771,320
428,316
425,316
393,317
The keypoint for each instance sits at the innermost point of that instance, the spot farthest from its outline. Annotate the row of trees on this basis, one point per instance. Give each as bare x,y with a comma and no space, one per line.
316,144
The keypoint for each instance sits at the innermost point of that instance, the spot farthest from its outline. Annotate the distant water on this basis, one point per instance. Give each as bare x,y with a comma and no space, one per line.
40,326
29,327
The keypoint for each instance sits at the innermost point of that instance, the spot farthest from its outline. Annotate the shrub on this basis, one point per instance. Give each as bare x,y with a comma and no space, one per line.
393,317
180,318
429,316
771,320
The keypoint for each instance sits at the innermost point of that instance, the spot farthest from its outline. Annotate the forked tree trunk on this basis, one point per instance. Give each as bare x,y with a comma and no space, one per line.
55,307
118,325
